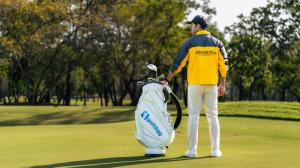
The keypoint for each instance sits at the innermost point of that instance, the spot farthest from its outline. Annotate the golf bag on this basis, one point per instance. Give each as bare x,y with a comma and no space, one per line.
154,126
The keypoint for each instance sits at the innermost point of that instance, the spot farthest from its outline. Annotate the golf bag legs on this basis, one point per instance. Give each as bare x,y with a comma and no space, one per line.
155,152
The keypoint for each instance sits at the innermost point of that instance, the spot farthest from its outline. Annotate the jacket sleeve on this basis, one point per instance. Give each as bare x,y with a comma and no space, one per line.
181,58
224,55
222,66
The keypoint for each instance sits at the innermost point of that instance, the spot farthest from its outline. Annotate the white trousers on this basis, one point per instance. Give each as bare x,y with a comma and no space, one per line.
197,94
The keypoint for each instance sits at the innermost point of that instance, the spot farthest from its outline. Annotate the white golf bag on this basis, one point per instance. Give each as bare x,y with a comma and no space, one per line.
154,126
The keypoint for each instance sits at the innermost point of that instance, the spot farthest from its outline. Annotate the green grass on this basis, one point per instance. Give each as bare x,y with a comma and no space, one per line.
51,115
268,110
258,109
85,137
245,143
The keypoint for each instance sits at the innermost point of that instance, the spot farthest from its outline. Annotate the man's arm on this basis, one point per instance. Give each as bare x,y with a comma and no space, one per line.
179,62
223,72
223,68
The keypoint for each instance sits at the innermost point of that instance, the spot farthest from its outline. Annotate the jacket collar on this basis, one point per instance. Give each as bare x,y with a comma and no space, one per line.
202,32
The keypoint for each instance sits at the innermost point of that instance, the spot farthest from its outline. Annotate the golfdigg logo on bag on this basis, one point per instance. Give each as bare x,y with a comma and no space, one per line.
146,116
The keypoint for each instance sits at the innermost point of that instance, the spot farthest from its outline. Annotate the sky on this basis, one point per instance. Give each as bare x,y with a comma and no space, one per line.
228,10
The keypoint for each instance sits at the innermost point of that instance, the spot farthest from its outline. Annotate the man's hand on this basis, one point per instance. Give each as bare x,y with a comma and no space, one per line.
221,88
168,79
164,82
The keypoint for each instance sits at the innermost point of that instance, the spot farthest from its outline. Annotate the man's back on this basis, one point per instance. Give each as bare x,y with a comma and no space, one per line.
206,57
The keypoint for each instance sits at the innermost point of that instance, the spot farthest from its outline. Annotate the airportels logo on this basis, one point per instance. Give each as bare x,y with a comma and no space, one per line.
205,53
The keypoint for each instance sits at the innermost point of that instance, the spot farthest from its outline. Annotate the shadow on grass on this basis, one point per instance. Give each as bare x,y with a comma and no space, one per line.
94,116
108,115
115,162
260,117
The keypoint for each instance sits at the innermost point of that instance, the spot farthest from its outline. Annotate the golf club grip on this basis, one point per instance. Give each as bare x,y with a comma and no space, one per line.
178,109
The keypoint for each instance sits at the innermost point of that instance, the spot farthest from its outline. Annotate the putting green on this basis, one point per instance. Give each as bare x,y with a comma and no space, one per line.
245,142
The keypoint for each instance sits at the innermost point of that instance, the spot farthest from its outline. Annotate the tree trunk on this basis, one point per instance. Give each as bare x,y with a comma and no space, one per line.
297,97
9,85
112,93
84,97
47,97
282,95
106,96
133,93
68,87
241,90
1,94
105,87
264,96
123,91
101,98
250,96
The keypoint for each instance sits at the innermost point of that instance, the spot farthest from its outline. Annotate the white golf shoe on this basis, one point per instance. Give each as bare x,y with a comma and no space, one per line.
190,154
216,153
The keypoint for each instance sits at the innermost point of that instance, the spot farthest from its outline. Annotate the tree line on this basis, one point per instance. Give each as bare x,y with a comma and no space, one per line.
70,49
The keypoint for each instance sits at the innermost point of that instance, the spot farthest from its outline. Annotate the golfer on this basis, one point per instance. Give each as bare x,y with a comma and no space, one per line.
206,58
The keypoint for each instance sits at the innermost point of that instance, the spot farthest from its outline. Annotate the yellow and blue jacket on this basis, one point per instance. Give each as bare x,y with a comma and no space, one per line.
206,57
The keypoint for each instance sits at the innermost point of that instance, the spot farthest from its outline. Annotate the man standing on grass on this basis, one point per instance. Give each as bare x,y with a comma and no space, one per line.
206,57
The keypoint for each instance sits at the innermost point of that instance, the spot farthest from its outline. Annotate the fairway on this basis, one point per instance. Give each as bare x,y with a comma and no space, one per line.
246,142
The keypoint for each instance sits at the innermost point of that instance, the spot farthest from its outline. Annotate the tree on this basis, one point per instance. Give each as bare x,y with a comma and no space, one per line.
55,50
271,30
